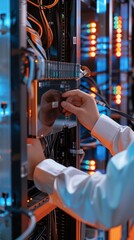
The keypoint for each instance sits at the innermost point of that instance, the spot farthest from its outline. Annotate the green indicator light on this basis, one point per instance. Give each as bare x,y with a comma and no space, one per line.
88,25
116,18
86,162
115,26
88,30
114,90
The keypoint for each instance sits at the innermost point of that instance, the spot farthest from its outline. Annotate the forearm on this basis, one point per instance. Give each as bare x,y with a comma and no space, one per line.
101,200
112,135
69,189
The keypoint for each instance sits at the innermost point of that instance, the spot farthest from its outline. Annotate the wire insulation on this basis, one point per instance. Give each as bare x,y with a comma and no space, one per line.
105,104
30,215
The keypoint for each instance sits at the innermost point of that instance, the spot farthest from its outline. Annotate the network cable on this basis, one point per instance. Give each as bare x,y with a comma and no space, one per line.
43,5
87,73
45,27
102,103
30,215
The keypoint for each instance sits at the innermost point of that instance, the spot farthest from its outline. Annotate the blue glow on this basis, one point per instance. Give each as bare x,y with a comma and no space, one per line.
5,8
104,52
125,25
124,64
84,55
85,167
101,6
103,39
85,26
125,43
86,161
125,85
53,50
1,113
85,49
101,79
7,22
88,30
5,113
101,108
101,64
8,202
101,153
102,46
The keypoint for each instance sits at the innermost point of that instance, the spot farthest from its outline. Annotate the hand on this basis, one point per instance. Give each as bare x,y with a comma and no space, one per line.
83,106
50,107
35,156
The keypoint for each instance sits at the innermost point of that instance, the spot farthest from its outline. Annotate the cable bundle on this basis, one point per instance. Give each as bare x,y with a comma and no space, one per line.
34,41
45,28
87,73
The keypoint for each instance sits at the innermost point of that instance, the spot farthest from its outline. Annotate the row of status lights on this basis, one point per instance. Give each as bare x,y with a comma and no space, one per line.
89,166
118,36
117,94
91,30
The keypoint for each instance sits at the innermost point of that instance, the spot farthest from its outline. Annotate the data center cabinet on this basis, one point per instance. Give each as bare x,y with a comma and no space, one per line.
107,49
13,130
62,145
28,72
61,73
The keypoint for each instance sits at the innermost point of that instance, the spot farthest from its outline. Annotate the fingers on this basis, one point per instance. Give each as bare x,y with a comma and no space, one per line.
78,98
74,100
70,108
75,93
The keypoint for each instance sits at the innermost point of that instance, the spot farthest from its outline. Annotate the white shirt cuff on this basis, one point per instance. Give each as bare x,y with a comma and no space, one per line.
45,174
105,130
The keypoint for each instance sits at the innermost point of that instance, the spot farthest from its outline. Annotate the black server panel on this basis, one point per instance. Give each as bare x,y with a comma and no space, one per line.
62,143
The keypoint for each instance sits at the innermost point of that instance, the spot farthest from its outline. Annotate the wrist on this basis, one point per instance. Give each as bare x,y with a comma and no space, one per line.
94,121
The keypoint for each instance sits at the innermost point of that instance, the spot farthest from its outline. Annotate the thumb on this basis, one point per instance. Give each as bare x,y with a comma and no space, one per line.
69,107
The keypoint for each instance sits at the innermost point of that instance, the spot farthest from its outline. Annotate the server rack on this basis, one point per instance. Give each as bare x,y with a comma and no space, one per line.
113,70
13,157
67,19
13,121
121,73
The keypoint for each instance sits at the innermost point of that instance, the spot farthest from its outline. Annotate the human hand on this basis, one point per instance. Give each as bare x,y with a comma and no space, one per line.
50,107
83,106
35,155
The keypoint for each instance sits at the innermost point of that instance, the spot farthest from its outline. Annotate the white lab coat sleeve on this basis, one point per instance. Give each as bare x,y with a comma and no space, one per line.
101,200
112,135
